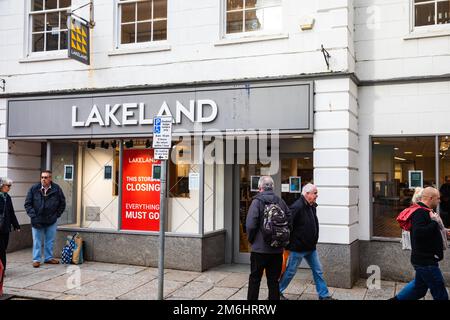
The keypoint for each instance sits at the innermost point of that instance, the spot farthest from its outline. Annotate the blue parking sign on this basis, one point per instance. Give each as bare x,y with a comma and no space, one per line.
157,126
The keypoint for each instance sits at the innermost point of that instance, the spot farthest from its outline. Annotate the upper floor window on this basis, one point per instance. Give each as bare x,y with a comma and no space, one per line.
142,20
48,21
253,15
431,12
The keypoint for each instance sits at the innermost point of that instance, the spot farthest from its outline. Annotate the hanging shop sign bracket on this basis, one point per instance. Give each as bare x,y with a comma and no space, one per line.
91,22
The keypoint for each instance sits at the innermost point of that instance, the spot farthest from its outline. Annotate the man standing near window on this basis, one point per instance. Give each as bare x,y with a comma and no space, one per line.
44,204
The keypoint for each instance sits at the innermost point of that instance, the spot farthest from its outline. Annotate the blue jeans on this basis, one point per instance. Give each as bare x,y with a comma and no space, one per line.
48,233
427,277
312,258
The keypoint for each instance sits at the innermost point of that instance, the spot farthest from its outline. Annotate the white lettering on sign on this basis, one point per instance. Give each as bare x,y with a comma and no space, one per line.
133,114
141,160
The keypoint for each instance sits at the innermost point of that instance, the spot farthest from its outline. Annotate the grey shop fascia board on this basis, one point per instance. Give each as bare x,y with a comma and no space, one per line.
217,88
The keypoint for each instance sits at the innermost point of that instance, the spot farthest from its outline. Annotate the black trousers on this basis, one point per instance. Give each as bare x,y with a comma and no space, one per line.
272,264
4,239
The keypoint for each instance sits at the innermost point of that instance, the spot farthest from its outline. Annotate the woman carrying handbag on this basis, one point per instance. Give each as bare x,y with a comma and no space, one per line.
8,219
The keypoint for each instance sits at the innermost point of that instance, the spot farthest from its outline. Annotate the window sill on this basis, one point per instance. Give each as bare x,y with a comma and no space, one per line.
131,50
427,34
48,57
249,39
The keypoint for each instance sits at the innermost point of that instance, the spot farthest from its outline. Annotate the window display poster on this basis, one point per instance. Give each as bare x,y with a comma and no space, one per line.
140,192
415,178
295,184
254,183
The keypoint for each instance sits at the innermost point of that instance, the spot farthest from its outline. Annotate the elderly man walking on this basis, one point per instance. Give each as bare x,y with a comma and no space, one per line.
264,256
428,240
304,237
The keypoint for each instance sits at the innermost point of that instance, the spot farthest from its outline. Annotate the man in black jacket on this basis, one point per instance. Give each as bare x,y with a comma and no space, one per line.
263,256
44,204
427,250
303,241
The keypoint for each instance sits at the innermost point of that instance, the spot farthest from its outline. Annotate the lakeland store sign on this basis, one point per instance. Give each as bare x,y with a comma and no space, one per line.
280,105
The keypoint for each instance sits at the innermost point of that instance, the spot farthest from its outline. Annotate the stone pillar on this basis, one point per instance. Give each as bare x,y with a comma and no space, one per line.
336,176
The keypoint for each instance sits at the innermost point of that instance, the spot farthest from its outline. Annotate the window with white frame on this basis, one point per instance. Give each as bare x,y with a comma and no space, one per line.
142,21
431,12
253,15
48,25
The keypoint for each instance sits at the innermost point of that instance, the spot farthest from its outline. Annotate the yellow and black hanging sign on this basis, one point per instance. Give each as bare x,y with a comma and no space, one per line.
79,41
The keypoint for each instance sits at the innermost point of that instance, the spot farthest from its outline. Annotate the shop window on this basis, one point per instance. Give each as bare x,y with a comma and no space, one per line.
444,179
184,188
100,186
48,25
142,21
398,166
64,164
179,171
253,15
431,12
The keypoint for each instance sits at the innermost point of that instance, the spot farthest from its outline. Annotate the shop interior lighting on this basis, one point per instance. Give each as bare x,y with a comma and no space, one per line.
408,152
376,142
419,155
129,144
91,145
400,159
104,145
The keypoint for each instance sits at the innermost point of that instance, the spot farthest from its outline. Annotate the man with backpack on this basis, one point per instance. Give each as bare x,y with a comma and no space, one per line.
268,231
304,237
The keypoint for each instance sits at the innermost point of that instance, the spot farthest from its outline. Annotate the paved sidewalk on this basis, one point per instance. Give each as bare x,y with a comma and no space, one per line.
105,281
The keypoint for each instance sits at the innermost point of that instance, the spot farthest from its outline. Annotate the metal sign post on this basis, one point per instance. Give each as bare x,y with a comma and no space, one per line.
162,141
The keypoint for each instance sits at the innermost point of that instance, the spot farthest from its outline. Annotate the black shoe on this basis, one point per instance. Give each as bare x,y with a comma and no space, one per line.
393,298
282,297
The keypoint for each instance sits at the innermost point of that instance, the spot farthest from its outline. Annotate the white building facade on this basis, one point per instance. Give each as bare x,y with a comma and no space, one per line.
251,65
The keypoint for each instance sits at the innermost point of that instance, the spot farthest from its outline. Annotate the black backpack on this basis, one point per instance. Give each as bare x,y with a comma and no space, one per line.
275,225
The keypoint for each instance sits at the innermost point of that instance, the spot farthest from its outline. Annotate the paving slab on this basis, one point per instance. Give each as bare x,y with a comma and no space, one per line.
291,296
212,276
349,294
34,294
130,270
63,283
384,293
34,278
237,268
234,280
296,287
311,289
184,276
149,291
193,290
242,294
217,293
101,266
